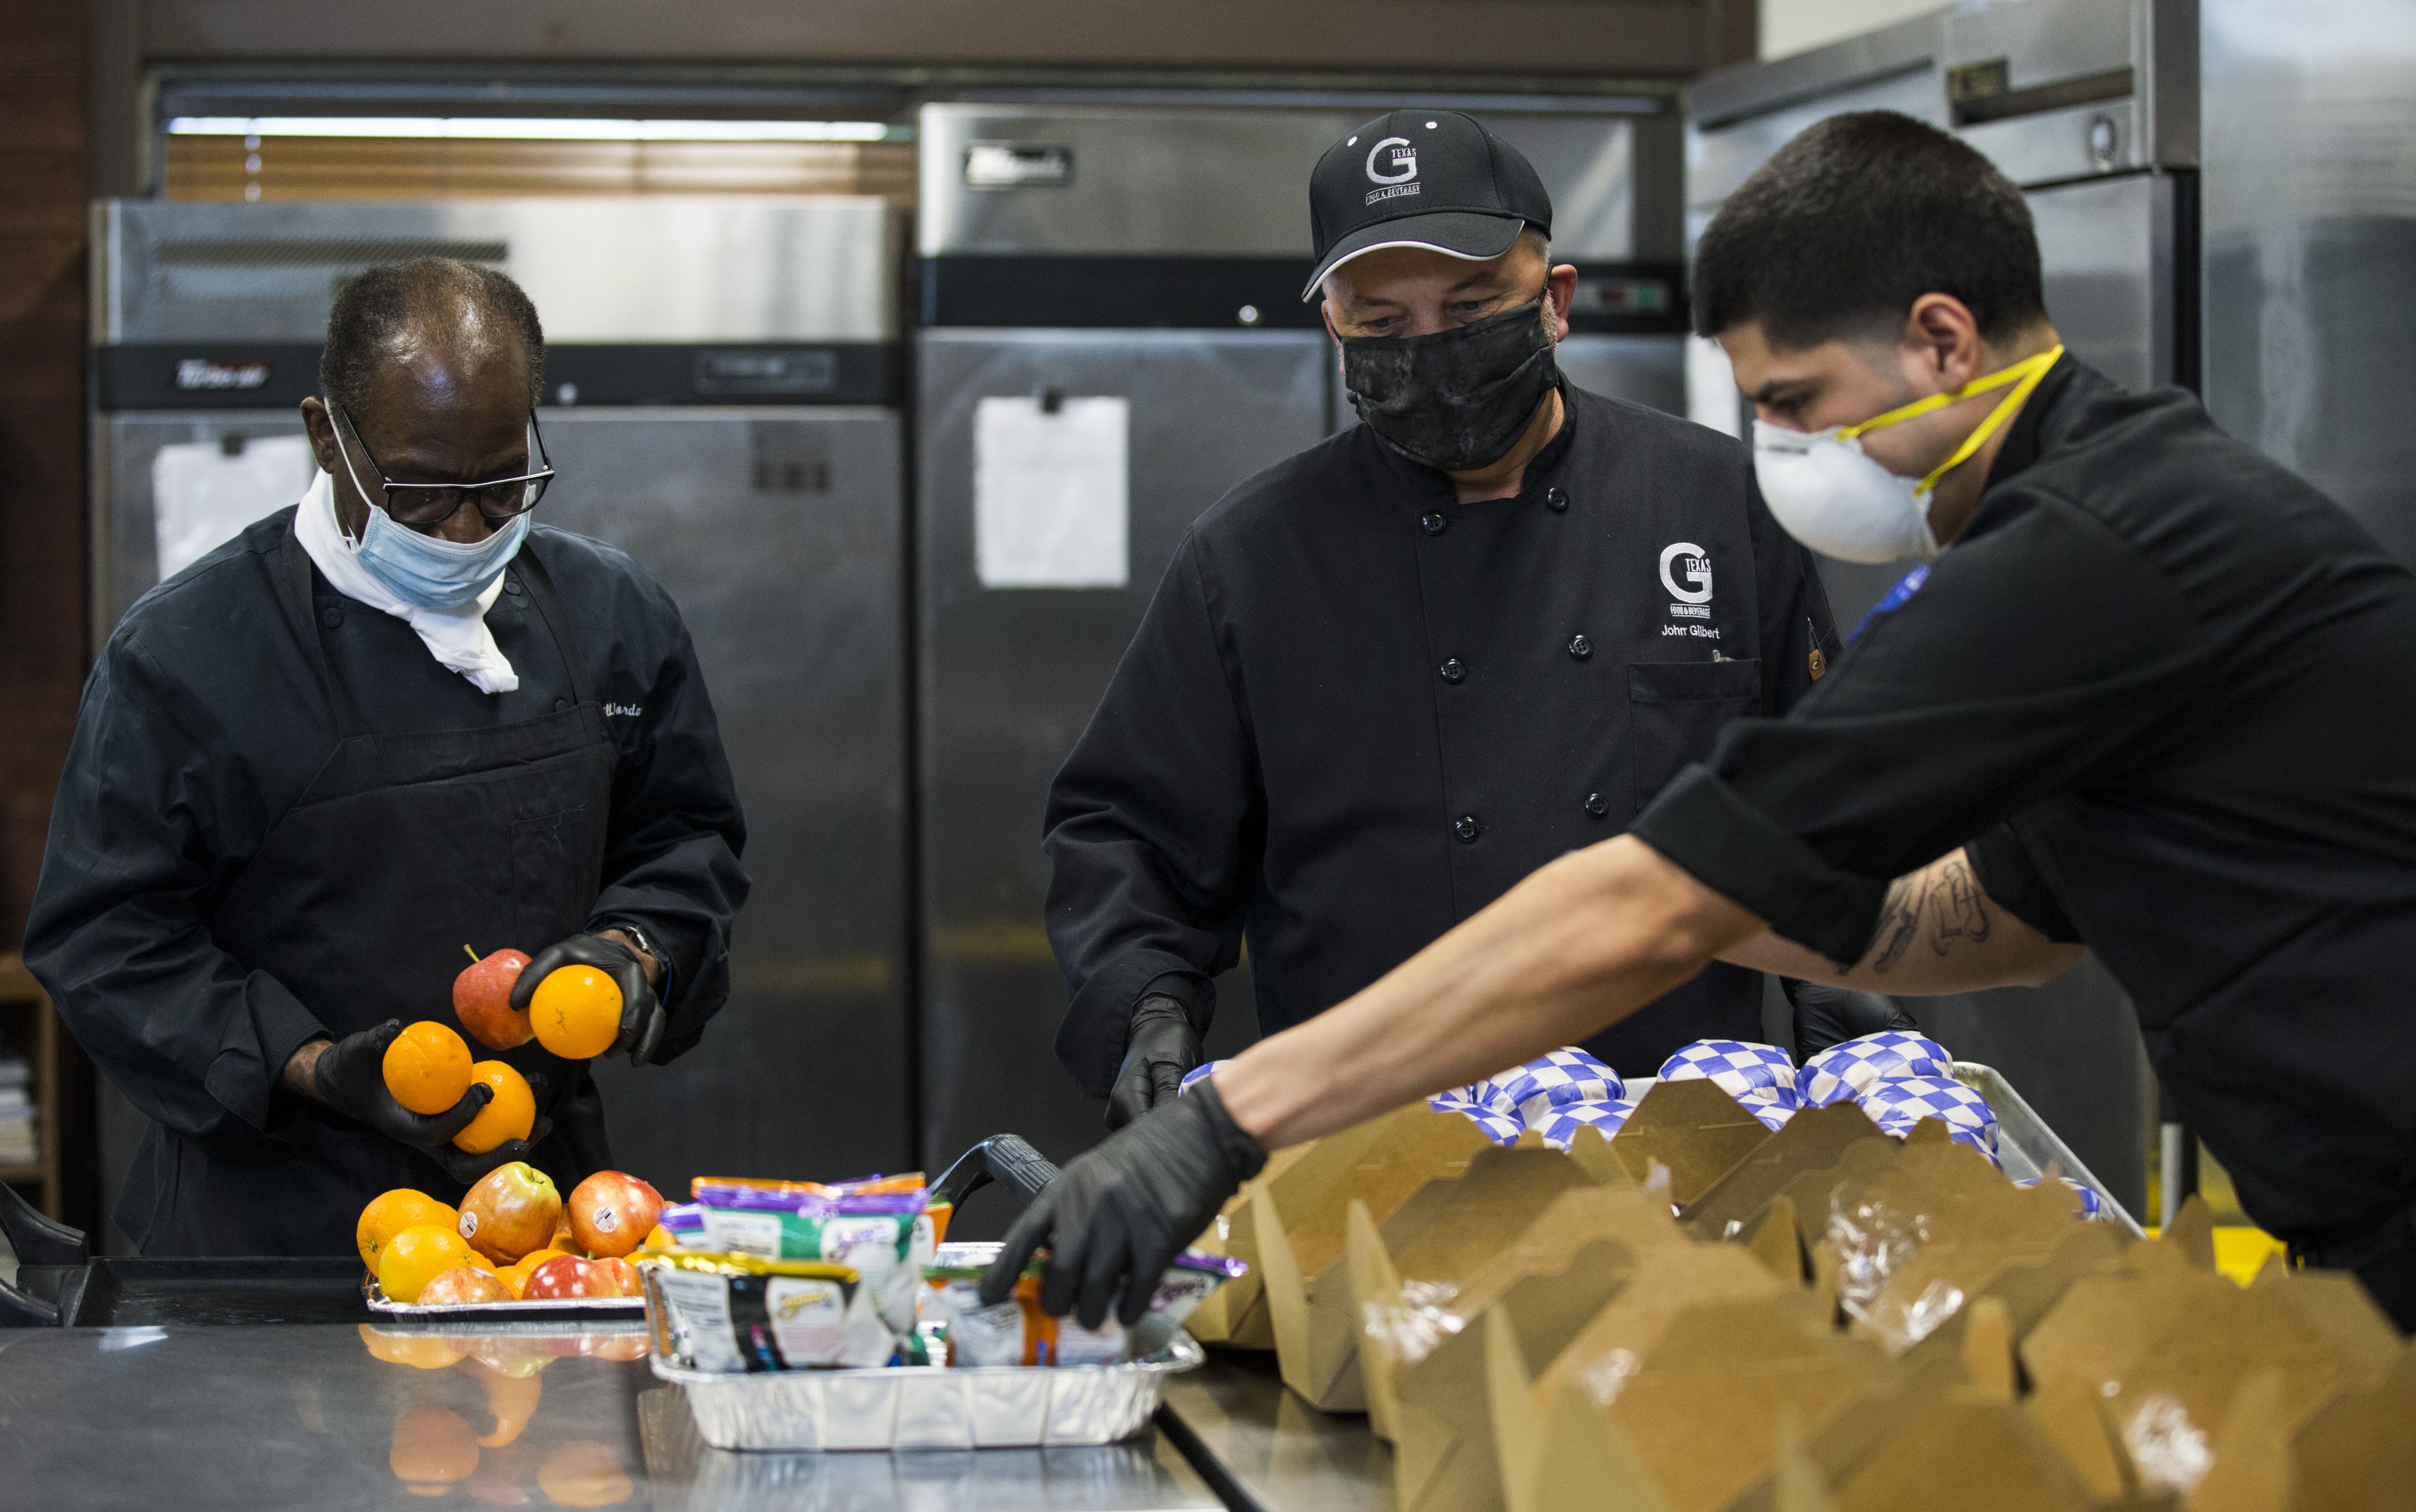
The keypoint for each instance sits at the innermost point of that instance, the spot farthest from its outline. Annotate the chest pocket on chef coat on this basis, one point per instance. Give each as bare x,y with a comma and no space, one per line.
1675,710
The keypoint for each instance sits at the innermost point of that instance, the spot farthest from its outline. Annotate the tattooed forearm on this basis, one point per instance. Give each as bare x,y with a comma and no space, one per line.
1939,904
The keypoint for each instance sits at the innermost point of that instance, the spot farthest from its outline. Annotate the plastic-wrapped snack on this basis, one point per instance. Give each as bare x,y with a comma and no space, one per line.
1741,1068
728,1313
1559,1131
1557,1078
2087,1204
685,1223
1897,1103
1846,1069
883,1235
961,1331
1196,1073
1502,1128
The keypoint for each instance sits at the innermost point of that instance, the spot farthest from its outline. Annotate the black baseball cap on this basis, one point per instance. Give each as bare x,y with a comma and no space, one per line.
1421,178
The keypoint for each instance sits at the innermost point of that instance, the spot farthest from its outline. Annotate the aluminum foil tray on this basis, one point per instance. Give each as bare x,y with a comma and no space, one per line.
549,1310
929,1407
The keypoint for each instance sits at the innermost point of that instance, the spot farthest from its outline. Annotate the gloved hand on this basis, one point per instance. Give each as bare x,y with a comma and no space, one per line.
1826,1016
1117,1216
642,1018
349,1077
1159,1050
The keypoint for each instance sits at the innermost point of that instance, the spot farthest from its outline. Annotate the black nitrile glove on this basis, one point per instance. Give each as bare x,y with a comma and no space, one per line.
1826,1016
1117,1216
641,1017
349,1075
1159,1050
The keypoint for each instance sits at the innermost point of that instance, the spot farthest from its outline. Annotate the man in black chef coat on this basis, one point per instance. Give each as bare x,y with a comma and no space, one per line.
1383,681
2151,696
371,730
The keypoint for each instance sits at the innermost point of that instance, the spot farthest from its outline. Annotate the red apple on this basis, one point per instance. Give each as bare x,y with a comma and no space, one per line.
614,1277
510,1212
612,1212
565,1275
482,1000
464,1283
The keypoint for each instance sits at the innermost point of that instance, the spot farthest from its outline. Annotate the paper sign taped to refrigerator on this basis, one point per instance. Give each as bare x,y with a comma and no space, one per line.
203,493
1052,492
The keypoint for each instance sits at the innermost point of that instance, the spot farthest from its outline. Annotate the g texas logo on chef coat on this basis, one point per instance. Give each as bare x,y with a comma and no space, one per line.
1687,560
1402,176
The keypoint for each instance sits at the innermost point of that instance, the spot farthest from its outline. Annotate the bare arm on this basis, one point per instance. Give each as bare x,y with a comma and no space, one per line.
1579,945
1939,933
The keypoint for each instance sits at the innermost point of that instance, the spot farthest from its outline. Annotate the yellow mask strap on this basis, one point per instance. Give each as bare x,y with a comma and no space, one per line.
2024,375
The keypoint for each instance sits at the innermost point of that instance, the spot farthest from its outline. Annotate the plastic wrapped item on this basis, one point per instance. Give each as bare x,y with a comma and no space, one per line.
1874,1242
2170,1451
726,1314
1846,1069
1501,1127
958,1330
883,1235
1415,1322
1898,1103
685,1223
1559,1131
1747,1071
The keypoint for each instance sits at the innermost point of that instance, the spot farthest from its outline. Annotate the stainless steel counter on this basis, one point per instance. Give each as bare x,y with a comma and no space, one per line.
264,1417
1270,1450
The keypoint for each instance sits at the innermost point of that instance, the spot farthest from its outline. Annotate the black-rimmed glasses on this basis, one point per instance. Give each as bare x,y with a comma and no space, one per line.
499,499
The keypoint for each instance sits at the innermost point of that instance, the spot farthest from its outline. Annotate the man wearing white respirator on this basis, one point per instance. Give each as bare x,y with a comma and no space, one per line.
2150,697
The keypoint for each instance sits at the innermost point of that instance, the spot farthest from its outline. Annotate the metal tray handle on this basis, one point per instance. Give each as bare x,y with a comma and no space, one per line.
1004,1158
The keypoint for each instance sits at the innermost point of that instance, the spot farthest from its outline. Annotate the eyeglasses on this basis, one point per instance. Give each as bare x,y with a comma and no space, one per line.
427,503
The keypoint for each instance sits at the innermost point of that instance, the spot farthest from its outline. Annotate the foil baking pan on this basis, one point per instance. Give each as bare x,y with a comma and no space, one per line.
551,1310
929,1407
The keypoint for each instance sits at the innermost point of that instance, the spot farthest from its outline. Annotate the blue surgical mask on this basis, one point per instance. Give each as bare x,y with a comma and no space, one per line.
427,571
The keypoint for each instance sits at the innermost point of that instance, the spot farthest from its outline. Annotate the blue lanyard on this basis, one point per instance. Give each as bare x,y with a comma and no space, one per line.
1896,599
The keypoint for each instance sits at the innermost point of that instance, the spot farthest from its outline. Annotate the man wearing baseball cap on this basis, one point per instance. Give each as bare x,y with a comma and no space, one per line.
1385,679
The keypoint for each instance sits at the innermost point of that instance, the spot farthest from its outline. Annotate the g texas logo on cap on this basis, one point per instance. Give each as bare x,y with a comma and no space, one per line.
1401,178
1695,563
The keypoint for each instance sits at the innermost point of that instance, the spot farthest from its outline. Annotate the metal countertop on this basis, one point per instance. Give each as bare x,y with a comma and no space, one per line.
1274,1451
259,1417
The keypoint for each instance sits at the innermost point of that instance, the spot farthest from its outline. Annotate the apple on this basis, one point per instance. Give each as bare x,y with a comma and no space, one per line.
613,1277
464,1283
565,1275
510,1212
482,999
610,1213
614,1346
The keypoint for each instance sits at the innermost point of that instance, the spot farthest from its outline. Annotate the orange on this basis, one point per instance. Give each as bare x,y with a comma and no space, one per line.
516,1274
509,1114
577,1012
433,1445
415,1256
390,1213
427,1068
428,1351
585,1473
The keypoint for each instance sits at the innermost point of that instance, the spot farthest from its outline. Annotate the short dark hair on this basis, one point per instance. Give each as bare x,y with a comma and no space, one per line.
1854,219
377,310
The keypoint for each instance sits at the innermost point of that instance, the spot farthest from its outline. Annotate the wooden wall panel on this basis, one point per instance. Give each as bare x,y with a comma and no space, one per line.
42,426
388,168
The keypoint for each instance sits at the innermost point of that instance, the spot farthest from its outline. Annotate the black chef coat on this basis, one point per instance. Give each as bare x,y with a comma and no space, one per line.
2159,689
205,718
1357,711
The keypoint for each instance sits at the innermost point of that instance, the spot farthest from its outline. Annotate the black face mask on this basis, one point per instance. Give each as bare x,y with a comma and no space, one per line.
1454,400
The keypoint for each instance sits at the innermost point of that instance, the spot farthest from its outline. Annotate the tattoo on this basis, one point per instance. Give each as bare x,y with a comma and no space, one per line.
1941,903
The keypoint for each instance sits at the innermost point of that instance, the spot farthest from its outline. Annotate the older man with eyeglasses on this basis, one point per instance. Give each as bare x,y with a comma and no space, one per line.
393,721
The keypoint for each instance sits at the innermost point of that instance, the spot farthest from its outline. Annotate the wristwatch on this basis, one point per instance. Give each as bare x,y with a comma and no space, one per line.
644,943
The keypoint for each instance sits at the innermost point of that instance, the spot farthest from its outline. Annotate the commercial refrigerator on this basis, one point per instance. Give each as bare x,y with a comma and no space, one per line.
724,396
2225,201
1128,279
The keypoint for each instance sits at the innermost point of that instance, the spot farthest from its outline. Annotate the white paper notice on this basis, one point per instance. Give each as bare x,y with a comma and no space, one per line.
202,497
1050,493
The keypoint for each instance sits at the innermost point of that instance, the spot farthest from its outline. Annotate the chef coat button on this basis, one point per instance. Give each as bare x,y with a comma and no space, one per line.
1453,669
1597,806
1556,499
331,617
1467,828
560,704
1432,523
512,585
1580,647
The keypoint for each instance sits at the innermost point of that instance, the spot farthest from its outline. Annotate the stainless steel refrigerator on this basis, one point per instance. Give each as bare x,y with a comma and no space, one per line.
1127,281
2224,200
725,384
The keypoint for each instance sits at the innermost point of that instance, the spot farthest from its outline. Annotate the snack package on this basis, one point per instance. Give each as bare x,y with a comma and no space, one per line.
685,1223
881,1235
729,1314
958,1330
